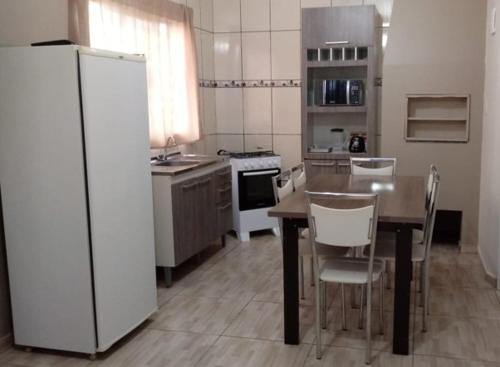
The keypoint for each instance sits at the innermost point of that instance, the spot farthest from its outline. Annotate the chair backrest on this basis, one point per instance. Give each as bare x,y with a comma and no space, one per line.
431,211
343,220
282,185
373,166
299,176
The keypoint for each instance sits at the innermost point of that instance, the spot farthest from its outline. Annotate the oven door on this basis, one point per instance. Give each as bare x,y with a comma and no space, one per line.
255,188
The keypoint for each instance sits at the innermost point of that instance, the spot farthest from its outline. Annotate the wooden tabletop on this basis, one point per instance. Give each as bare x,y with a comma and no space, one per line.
402,198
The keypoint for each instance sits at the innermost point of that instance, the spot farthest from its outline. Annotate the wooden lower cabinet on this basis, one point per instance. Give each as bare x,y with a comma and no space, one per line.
202,212
315,167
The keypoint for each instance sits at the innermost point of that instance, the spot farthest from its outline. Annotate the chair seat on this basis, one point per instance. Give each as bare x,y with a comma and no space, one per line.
350,270
385,248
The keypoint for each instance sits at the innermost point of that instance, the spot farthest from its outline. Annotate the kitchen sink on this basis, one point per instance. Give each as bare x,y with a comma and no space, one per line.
175,163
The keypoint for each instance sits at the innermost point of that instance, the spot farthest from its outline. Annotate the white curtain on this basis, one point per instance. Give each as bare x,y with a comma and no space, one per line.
162,31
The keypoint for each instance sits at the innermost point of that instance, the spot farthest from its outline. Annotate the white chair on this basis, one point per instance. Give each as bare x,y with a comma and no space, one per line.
422,241
299,176
283,186
373,166
345,221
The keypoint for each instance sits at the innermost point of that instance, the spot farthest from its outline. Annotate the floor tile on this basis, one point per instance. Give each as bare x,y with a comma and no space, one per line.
154,348
199,315
464,302
254,353
429,361
334,356
38,358
464,338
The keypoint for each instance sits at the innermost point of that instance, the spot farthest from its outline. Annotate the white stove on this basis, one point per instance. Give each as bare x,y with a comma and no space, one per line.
253,193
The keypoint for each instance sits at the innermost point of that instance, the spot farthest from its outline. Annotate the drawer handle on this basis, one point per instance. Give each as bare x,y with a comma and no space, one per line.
323,164
204,182
227,206
226,189
337,43
190,186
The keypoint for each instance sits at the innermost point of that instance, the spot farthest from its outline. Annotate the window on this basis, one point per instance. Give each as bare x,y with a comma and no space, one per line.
163,32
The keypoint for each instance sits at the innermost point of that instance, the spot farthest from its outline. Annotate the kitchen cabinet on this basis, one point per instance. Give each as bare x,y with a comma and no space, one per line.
316,167
191,212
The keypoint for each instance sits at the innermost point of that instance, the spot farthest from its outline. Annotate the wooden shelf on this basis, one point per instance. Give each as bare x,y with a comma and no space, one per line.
336,109
437,118
431,119
339,63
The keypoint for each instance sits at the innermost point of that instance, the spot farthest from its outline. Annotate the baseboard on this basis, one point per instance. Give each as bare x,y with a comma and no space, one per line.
5,342
490,277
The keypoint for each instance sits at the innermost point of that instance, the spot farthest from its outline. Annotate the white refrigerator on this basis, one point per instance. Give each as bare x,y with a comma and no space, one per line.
76,194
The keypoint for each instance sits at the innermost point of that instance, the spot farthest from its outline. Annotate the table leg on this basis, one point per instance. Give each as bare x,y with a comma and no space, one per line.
402,289
291,281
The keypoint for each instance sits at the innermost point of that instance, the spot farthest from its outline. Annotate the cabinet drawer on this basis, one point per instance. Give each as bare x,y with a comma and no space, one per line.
343,166
224,218
320,167
223,177
223,194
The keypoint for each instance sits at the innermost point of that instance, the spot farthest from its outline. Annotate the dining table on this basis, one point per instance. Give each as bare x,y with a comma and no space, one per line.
401,210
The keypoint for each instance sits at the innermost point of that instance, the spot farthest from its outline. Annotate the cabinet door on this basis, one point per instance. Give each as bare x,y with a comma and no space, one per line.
224,218
185,206
205,208
343,166
354,25
320,167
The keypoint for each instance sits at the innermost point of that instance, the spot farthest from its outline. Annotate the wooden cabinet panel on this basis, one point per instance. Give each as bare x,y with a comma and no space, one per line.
206,212
343,166
355,25
318,167
184,207
224,218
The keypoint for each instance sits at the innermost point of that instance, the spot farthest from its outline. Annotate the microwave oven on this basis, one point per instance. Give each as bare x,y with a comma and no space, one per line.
343,92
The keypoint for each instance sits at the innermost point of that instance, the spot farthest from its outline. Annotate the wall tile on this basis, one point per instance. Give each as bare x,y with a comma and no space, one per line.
207,51
227,56
182,2
257,110
255,143
207,15
229,110
285,14
256,53
196,6
231,143
315,3
199,56
211,145
289,147
286,111
285,55
346,2
255,15
227,16
209,115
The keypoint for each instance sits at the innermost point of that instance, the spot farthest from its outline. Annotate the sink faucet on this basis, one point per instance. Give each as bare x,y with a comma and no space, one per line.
169,144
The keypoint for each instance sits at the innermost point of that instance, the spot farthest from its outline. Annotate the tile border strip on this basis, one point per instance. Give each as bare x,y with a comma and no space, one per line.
277,83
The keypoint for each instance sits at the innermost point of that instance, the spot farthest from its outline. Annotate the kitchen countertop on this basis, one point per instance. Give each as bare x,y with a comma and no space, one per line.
200,162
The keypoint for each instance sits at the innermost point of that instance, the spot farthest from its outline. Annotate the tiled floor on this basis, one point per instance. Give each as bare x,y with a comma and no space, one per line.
227,310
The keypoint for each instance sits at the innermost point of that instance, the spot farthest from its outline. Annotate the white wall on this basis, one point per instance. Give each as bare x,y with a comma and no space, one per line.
26,21
489,215
437,47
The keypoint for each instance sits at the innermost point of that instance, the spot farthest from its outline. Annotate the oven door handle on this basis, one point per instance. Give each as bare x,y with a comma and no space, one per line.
261,173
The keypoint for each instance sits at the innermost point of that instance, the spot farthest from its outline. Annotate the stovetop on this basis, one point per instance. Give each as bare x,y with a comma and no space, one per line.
259,154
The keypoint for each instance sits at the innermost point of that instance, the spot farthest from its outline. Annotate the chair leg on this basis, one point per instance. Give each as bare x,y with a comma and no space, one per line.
301,271
426,292
388,275
323,305
381,306
342,292
368,323
361,302
318,320
312,271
